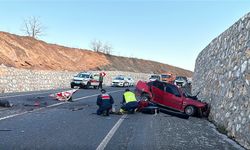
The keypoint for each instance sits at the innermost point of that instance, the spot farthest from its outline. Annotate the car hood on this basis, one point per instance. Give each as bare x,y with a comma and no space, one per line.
179,80
117,80
77,78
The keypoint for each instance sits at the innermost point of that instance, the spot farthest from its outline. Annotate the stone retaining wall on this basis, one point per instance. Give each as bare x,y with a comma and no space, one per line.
222,74
21,80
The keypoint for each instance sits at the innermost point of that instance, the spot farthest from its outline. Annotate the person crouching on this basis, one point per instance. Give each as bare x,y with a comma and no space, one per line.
104,101
129,101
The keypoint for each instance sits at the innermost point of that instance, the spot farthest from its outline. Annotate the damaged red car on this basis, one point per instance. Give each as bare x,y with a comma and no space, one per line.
170,96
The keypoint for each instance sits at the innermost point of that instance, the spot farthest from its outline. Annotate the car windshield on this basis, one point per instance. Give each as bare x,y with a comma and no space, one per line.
165,76
154,77
96,77
81,75
181,78
119,78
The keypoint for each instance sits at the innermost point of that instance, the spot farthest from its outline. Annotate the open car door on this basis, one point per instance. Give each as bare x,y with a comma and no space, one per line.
157,90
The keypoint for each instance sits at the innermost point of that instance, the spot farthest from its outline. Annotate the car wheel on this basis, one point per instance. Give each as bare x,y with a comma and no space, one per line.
88,85
81,86
72,86
125,84
190,110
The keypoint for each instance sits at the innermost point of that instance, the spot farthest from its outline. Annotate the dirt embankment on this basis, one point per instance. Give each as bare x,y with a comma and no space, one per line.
26,52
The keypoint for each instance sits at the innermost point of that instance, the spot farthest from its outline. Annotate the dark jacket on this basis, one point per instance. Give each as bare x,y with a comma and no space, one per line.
104,100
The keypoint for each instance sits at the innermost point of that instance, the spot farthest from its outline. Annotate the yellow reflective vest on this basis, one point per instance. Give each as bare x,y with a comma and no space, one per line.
129,97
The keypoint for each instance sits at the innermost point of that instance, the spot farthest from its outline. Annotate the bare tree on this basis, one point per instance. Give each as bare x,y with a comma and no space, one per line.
96,45
33,27
107,48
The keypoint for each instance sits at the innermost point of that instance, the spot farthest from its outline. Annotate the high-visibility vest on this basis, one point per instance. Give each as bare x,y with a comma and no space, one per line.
129,97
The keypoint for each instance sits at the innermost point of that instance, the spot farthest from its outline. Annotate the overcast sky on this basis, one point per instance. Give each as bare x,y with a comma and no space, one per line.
171,32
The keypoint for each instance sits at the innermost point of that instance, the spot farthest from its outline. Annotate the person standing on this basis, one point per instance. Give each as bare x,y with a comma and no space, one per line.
101,75
129,101
104,101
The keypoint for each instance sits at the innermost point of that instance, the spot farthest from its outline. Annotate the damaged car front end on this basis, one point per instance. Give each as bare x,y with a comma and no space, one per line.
171,97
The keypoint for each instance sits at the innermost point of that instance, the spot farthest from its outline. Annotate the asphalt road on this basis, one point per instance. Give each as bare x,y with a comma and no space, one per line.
74,125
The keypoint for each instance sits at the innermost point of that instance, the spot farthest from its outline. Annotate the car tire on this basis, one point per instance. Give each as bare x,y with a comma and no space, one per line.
190,110
81,86
88,85
72,86
126,84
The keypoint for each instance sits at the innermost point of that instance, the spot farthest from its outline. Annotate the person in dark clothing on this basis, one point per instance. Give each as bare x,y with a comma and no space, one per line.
100,82
104,101
129,101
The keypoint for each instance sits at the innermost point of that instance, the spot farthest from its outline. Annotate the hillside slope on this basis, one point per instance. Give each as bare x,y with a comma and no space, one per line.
25,52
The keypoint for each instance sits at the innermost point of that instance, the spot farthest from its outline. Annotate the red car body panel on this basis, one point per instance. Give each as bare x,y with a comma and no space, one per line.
167,99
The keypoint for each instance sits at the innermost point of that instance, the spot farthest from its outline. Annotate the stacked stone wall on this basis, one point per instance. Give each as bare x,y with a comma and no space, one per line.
22,80
222,74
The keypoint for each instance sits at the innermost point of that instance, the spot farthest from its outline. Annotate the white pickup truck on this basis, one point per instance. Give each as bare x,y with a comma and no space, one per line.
85,80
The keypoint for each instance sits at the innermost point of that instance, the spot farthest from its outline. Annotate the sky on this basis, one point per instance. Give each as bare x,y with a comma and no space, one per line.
166,31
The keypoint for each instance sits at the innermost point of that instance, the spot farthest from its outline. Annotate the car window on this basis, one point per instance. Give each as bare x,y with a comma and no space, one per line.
83,75
119,78
172,89
159,85
165,76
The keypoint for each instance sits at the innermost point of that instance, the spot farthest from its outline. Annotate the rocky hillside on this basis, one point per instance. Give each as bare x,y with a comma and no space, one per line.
26,52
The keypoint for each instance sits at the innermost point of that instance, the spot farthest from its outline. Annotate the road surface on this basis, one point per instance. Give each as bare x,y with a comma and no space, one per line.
74,125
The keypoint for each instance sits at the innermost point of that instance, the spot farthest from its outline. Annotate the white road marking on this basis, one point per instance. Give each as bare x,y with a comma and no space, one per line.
53,105
3,118
25,94
108,137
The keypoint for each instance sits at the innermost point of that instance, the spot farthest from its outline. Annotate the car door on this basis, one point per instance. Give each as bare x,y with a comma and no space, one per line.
157,90
172,97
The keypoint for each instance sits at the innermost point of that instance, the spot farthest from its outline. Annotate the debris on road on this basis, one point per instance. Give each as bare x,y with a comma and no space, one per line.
147,107
36,98
37,104
79,108
75,109
150,110
64,95
5,130
5,103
